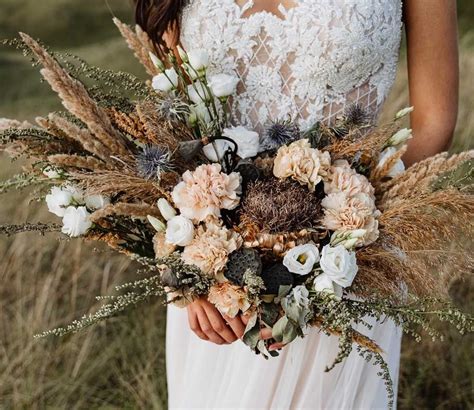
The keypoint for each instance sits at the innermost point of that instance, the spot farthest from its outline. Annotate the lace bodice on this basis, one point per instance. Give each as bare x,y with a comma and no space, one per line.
307,63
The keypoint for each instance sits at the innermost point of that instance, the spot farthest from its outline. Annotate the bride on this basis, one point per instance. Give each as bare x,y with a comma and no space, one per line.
309,60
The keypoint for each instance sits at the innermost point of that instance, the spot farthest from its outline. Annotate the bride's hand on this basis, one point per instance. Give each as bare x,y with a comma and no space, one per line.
208,324
266,334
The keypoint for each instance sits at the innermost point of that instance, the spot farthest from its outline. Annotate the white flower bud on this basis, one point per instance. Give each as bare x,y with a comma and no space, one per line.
156,223
402,113
166,210
198,93
157,62
58,199
51,173
400,137
96,201
198,59
182,54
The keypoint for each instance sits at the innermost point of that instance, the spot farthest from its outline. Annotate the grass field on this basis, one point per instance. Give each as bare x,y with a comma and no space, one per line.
45,282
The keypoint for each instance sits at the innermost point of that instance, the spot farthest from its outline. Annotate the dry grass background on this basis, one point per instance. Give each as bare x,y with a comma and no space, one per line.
45,281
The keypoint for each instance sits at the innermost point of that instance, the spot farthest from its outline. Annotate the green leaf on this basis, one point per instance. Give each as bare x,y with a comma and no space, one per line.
284,331
269,313
461,178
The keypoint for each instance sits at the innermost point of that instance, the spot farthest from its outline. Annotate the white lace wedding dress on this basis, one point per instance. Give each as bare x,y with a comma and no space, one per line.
308,61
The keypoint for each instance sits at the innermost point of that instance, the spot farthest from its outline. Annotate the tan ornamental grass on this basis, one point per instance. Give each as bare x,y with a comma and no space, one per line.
126,209
77,161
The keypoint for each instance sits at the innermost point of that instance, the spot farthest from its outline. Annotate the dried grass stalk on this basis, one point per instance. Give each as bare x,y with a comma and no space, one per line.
77,161
126,209
422,244
6,123
381,172
130,124
76,99
130,187
139,43
417,179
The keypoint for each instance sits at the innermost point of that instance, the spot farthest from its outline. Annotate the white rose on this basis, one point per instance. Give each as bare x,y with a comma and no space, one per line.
180,231
96,201
58,199
198,59
248,142
166,210
339,264
198,93
76,221
397,168
323,283
165,81
223,85
301,259
51,173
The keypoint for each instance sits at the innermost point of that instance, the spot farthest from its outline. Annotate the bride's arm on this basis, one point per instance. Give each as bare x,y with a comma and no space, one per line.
431,27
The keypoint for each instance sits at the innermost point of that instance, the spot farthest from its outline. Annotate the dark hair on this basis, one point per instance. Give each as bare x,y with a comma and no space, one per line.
158,17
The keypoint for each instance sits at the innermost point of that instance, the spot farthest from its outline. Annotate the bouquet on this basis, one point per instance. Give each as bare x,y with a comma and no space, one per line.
294,228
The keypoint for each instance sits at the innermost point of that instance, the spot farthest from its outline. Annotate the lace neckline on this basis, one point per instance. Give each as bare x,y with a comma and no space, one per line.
249,4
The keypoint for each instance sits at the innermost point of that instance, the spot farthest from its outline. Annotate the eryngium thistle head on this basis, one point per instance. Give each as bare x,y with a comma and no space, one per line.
280,133
153,161
173,109
356,116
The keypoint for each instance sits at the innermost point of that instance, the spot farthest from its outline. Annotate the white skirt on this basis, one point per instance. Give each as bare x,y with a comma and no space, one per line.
207,376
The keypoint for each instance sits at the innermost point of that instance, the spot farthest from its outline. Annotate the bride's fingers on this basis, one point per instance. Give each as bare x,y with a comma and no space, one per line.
276,346
207,328
194,324
265,333
219,325
237,325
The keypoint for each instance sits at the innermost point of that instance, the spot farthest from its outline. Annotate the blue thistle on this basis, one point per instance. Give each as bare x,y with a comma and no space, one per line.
278,133
153,161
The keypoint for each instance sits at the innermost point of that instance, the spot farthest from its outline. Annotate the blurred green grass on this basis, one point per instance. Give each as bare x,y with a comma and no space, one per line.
45,282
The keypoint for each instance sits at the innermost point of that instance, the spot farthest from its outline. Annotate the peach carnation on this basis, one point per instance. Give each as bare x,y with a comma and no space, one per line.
210,248
345,213
302,163
205,191
343,178
228,299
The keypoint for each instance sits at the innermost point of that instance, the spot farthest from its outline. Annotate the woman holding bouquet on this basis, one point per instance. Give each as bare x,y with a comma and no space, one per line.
308,60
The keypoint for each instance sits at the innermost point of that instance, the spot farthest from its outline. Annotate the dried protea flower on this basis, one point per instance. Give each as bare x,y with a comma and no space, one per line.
279,206
280,133
173,109
153,161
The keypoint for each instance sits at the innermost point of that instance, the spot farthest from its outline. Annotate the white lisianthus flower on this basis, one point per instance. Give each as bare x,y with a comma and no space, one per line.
198,93
76,221
180,231
96,201
215,151
397,168
339,264
323,283
301,259
199,112
51,173
400,137
403,112
58,200
198,59
77,194
165,81
166,210
223,85
248,142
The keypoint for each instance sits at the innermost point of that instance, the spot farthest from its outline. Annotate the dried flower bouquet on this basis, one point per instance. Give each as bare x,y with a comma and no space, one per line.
294,228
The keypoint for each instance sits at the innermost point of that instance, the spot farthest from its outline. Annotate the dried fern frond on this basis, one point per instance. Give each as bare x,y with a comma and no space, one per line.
76,99
139,43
